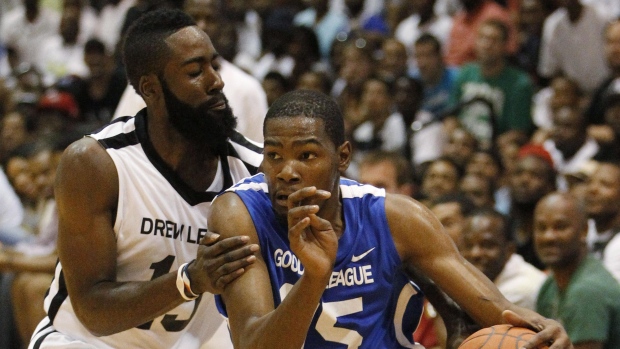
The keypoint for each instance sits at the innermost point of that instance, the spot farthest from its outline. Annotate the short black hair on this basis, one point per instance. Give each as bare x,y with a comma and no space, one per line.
492,213
144,46
465,203
312,104
427,38
94,46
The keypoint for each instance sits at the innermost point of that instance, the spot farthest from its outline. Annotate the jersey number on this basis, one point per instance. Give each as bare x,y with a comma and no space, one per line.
331,311
169,322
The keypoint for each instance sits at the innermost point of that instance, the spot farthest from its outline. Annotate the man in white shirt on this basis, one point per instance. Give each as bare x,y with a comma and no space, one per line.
487,244
573,43
601,202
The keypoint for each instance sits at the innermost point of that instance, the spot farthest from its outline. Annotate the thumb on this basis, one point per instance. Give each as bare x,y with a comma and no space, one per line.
209,238
514,319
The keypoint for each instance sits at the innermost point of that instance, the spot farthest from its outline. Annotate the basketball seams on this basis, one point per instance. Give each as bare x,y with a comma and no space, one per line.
498,337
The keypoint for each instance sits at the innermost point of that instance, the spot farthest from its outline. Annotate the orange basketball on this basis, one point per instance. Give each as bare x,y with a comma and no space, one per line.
498,337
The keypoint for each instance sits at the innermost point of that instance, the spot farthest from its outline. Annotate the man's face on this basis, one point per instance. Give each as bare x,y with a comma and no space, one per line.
430,63
440,178
568,130
394,61
490,45
603,192
612,45
485,246
381,175
376,97
298,153
558,233
478,190
451,217
461,145
191,75
530,180
484,165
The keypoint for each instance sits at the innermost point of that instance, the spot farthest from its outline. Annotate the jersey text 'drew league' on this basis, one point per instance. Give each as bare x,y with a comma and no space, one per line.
368,302
159,223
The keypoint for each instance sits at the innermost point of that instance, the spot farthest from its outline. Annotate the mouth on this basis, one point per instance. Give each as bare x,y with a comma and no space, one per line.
217,103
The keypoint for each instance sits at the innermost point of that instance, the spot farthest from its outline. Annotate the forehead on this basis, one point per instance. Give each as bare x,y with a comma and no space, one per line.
189,43
281,130
447,209
609,173
484,224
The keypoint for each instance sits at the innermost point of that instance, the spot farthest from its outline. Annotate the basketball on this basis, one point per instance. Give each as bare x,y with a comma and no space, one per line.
499,336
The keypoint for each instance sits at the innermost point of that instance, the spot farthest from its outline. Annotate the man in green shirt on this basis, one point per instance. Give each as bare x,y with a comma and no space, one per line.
492,96
580,292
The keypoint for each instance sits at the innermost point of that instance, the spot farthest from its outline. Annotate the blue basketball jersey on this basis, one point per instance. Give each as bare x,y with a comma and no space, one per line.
369,302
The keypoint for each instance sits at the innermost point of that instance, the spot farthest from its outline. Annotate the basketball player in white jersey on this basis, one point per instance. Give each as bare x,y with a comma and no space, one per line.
138,267
330,272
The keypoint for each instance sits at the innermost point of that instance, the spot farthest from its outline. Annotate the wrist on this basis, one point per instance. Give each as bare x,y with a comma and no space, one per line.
184,284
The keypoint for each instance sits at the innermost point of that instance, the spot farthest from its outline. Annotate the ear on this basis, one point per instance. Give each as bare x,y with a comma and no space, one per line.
344,154
149,87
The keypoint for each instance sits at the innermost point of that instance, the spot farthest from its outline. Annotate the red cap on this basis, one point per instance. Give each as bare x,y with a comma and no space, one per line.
536,150
60,101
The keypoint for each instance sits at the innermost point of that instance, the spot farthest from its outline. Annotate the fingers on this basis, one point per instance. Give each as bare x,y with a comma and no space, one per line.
307,196
549,331
220,263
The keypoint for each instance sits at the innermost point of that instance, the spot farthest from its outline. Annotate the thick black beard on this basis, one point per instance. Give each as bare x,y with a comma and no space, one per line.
200,124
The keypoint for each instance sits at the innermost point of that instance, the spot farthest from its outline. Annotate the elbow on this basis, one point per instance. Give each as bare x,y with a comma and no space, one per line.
92,322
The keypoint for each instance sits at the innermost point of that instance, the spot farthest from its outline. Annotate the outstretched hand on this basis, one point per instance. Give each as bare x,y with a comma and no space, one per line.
549,332
312,238
219,262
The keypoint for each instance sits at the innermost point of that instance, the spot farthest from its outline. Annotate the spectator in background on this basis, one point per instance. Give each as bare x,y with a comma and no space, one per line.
488,244
610,149
611,85
569,144
561,92
383,127
437,79
466,28
110,22
15,130
275,85
580,292
601,203
88,18
425,136
532,14
573,44
532,178
26,28
440,178
461,145
63,54
387,170
325,22
492,96
356,66
318,81
423,20
304,49
478,189
97,94
393,62
451,210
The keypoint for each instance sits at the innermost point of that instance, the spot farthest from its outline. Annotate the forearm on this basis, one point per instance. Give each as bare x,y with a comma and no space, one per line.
110,307
287,325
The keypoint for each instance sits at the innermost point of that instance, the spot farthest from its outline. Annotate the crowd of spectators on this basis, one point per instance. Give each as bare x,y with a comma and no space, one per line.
480,109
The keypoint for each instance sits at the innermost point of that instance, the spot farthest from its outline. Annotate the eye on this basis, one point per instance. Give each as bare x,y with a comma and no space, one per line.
195,74
273,156
308,156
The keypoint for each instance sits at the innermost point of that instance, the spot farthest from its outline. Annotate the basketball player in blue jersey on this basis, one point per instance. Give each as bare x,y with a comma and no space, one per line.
138,267
330,273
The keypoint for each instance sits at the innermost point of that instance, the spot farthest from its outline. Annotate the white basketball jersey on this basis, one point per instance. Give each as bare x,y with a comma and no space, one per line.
159,222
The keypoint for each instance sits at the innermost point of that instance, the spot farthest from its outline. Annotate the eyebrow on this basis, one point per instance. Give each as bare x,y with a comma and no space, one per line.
199,59
300,142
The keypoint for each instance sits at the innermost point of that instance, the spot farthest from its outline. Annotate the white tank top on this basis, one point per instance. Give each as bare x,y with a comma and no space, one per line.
159,222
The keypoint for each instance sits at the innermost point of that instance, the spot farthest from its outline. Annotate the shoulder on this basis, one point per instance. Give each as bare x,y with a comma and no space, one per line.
229,215
85,166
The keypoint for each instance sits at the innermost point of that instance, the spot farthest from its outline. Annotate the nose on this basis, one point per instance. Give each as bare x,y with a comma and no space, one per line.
216,84
288,173
475,252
